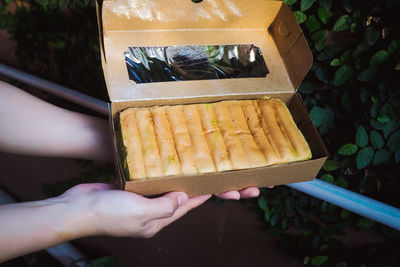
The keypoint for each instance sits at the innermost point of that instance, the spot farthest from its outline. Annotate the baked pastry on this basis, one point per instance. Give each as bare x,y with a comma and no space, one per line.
204,138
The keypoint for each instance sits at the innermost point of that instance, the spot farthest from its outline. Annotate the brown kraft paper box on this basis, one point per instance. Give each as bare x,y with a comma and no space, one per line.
269,25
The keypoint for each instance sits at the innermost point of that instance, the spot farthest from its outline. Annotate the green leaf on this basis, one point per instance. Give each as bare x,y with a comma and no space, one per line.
306,4
353,27
324,75
275,219
62,3
363,46
379,57
397,66
364,157
361,136
327,178
376,139
330,165
335,62
319,260
394,46
348,5
374,109
394,141
389,128
383,118
381,156
329,52
313,24
325,4
306,88
323,15
397,156
348,149
368,75
342,75
319,39
318,116
262,202
343,23
342,183
371,35
300,16
344,214
345,56
267,215
284,223
289,2
365,223
376,125
365,95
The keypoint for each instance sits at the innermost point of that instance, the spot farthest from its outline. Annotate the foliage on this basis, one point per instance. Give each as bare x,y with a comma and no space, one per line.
352,93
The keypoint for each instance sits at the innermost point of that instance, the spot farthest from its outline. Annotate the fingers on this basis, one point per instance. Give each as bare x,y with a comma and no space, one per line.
153,227
165,206
234,195
249,192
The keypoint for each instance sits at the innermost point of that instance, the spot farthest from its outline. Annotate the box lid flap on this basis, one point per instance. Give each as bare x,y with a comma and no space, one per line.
269,25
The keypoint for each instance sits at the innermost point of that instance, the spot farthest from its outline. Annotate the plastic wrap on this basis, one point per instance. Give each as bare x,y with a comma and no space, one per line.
180,63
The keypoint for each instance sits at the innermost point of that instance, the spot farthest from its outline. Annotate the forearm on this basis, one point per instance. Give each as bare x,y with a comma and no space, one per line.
34,127
31,226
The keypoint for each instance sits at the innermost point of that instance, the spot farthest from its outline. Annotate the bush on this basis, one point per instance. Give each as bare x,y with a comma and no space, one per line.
352,93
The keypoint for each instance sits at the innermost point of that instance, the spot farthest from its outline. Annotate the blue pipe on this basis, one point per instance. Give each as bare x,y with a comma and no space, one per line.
336,195
351,201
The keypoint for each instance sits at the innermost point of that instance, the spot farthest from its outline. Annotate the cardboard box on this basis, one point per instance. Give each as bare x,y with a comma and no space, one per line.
269,25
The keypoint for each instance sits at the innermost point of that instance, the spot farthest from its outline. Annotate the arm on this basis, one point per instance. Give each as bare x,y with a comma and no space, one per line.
86,210
31,126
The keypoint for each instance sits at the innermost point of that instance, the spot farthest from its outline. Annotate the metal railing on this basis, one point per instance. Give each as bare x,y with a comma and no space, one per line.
336,195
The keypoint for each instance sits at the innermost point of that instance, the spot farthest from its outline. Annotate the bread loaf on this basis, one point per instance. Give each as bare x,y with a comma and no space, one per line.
212,137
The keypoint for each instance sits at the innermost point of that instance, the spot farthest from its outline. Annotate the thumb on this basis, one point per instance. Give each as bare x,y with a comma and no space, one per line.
166,205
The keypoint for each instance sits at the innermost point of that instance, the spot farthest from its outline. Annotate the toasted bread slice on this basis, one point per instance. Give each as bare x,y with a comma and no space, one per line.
290,130
169,158
202,156
133,145
270,154
254,155
214,138
151,155
274,133
181,138
232,140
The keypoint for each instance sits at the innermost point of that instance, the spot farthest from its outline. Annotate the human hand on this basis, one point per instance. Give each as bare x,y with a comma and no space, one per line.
121,213
248,192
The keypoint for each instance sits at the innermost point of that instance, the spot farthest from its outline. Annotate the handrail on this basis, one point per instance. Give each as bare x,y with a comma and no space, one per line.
351,201
336,195
55,89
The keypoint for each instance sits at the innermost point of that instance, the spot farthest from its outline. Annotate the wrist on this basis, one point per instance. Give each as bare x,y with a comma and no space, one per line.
76,219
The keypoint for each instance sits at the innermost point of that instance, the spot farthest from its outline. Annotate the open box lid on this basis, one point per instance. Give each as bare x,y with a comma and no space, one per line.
269,25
